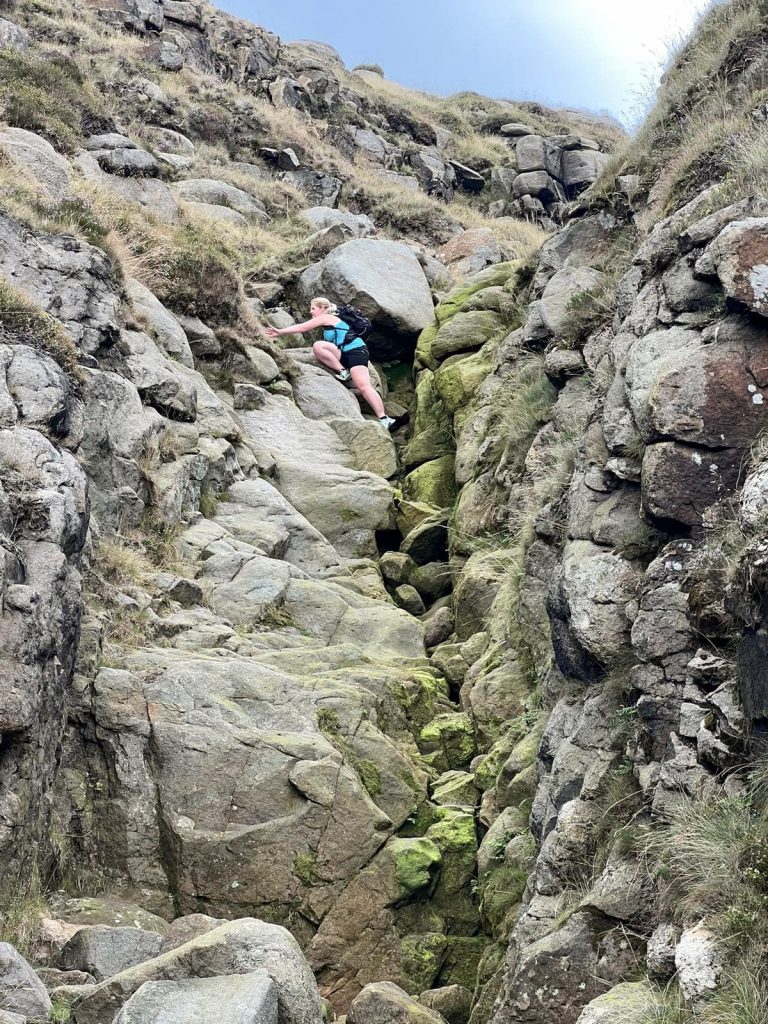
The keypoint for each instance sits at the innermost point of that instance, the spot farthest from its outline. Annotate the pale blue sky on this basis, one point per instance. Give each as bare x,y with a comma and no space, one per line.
596,54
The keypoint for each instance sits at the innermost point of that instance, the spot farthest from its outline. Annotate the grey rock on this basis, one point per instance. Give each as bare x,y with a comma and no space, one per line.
103,951
209,191
13,37
202,341
249,396
129,163
320,189
236,948
700,961
320,217
384,279
37,159
166,140
539,184
159,322
155,378
622,1003
439,624
514,129
287,160
238,999
661,951
109,141
21,991
409,599
533,153
581,167
185,929
69,279
386,1003
396,566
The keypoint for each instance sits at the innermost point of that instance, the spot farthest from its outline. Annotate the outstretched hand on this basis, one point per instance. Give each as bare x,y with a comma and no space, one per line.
271,332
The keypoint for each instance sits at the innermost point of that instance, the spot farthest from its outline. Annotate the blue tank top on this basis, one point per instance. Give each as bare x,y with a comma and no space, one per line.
338,334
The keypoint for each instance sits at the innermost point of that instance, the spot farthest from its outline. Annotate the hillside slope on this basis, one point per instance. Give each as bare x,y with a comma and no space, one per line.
473,714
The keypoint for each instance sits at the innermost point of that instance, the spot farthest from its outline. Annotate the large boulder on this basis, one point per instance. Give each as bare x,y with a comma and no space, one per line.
384,279
38,162
236,948
67,278
704,389
12,36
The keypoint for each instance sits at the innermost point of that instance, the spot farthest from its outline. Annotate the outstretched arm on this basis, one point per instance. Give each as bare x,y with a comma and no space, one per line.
308,325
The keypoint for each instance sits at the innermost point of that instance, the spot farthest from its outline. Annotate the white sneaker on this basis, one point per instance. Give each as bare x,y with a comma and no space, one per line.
343,376
386,422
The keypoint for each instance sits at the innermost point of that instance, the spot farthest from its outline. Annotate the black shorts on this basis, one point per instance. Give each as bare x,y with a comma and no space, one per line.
359,356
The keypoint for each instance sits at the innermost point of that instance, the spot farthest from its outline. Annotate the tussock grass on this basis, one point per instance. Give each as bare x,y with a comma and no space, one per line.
712,862
20,317
742,997
121,562
524,404
20,918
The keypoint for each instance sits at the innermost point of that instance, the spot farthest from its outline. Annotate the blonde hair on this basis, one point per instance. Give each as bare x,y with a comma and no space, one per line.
325,304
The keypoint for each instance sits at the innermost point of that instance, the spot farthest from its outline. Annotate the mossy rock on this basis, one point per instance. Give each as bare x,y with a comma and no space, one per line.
631,1000
495,298
456,788
450,739
459,377
416,862
419,696
421,960
432,436
411,514
423,357
466,332
457,298
462,959
456,838
523,787
432,483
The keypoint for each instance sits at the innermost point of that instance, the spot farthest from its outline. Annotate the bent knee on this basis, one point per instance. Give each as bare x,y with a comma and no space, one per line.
317,347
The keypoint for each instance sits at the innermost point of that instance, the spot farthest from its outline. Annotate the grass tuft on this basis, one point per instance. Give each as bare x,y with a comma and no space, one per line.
21,318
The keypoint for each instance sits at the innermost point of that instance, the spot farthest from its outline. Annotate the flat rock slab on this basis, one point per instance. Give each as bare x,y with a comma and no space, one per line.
237,999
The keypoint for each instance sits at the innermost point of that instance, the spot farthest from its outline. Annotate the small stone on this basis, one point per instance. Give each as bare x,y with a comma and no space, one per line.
249,396
409,599
287,160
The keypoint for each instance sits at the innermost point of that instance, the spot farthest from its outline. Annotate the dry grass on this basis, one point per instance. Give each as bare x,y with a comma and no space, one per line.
23,319
699,121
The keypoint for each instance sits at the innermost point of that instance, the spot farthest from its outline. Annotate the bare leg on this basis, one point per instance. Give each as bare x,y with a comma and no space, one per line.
362,381
327,354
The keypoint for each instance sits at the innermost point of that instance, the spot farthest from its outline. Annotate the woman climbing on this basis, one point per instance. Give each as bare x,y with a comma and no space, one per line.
347,357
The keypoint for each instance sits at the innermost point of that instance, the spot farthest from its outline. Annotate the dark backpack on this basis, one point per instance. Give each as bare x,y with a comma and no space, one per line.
359,324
